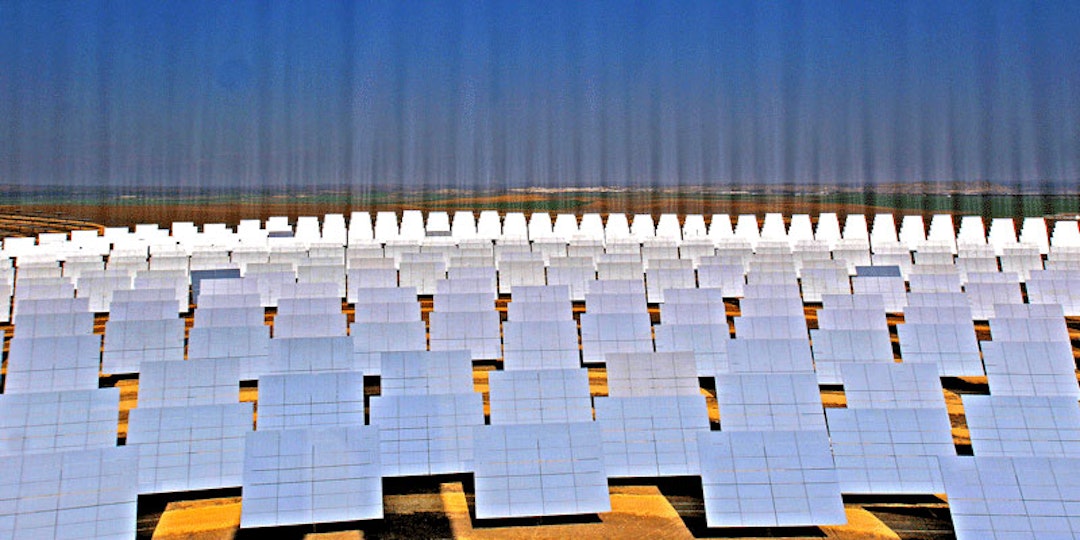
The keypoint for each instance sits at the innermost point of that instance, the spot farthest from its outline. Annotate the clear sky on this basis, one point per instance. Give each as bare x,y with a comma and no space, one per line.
490,94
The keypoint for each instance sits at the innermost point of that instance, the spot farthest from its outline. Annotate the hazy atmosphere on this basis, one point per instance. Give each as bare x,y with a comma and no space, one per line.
509,94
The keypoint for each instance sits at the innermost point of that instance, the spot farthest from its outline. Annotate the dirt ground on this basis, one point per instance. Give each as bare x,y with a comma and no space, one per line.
218,210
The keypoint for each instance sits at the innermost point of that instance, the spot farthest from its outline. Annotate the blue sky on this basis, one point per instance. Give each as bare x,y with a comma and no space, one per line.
256,94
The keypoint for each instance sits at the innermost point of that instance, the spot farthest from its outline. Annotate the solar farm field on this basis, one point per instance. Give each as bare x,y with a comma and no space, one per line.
772,378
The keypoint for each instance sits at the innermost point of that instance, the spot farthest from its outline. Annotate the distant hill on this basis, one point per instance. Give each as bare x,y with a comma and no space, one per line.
892,188
422,191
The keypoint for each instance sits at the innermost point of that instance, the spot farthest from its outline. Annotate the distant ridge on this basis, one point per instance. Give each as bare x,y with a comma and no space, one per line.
891,188
121,193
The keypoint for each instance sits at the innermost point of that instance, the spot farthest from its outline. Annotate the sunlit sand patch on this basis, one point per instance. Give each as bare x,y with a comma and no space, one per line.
206,519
